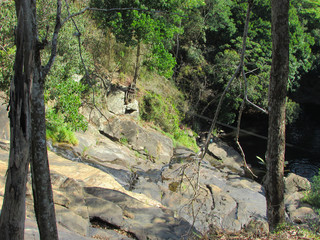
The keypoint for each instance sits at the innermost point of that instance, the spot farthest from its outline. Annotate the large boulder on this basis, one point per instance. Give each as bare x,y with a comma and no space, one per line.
155,145
228,155
115,102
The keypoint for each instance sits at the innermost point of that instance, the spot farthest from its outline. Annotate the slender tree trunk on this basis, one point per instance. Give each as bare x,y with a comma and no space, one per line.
277,103
137,68
13,210
41,183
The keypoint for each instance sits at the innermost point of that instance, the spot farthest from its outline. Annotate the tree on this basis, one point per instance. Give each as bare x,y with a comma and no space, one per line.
27,118
13,209
144,22
274,182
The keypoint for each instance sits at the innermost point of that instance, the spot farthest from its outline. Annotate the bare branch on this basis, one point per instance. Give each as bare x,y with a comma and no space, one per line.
57,28
235,75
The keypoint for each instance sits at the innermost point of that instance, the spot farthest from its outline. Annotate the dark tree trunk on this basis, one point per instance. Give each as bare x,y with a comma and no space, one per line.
28,135
277,104
41,183
13,210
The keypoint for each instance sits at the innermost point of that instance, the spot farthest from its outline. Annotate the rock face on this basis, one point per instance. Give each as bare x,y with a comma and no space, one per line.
145,141
124,181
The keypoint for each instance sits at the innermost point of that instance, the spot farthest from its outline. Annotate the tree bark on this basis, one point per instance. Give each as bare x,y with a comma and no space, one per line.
274,183
137,68
13,209
41,182
28,135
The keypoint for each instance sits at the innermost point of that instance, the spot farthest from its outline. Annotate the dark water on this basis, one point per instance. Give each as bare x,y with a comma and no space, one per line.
303,142
305,134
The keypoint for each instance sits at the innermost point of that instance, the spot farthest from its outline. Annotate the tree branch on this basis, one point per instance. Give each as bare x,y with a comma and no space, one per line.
47,67
235,75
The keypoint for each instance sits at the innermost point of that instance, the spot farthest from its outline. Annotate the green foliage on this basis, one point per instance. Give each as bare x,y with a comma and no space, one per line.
124,140
62,91
215,43
134,27
313,196
65,96
7,47
293,111
57,130
164,114
160,111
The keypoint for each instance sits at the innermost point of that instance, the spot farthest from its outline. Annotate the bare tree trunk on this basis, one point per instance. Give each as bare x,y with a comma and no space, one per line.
41,183
137,68
274,183
28,135
13,210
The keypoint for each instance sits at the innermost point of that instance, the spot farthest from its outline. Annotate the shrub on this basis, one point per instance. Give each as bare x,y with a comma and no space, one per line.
313,196
62,114
164,114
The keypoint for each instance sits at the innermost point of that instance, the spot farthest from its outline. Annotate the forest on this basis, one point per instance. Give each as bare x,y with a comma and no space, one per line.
176,56
193,46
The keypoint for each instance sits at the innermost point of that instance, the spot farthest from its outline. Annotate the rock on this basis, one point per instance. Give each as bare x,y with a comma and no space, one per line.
257,227
144,221
72,221
148,188
146,141
230,157
225,200
97,233
104,210
295,183
300,215
295,189
144,187
132,109
115,102
69,193
182,154
292,201
31,232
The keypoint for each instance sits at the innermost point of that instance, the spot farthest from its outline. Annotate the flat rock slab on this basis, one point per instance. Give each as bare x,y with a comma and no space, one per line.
144,221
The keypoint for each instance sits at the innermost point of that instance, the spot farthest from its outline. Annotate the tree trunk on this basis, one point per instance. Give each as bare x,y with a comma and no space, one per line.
28,135
277,103
13,210
41,183
137,68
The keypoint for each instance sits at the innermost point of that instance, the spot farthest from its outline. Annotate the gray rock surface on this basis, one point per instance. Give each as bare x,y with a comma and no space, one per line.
145,188
149,142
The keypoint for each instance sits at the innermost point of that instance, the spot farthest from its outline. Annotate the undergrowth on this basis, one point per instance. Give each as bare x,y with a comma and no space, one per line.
313,195
163,113
283,232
